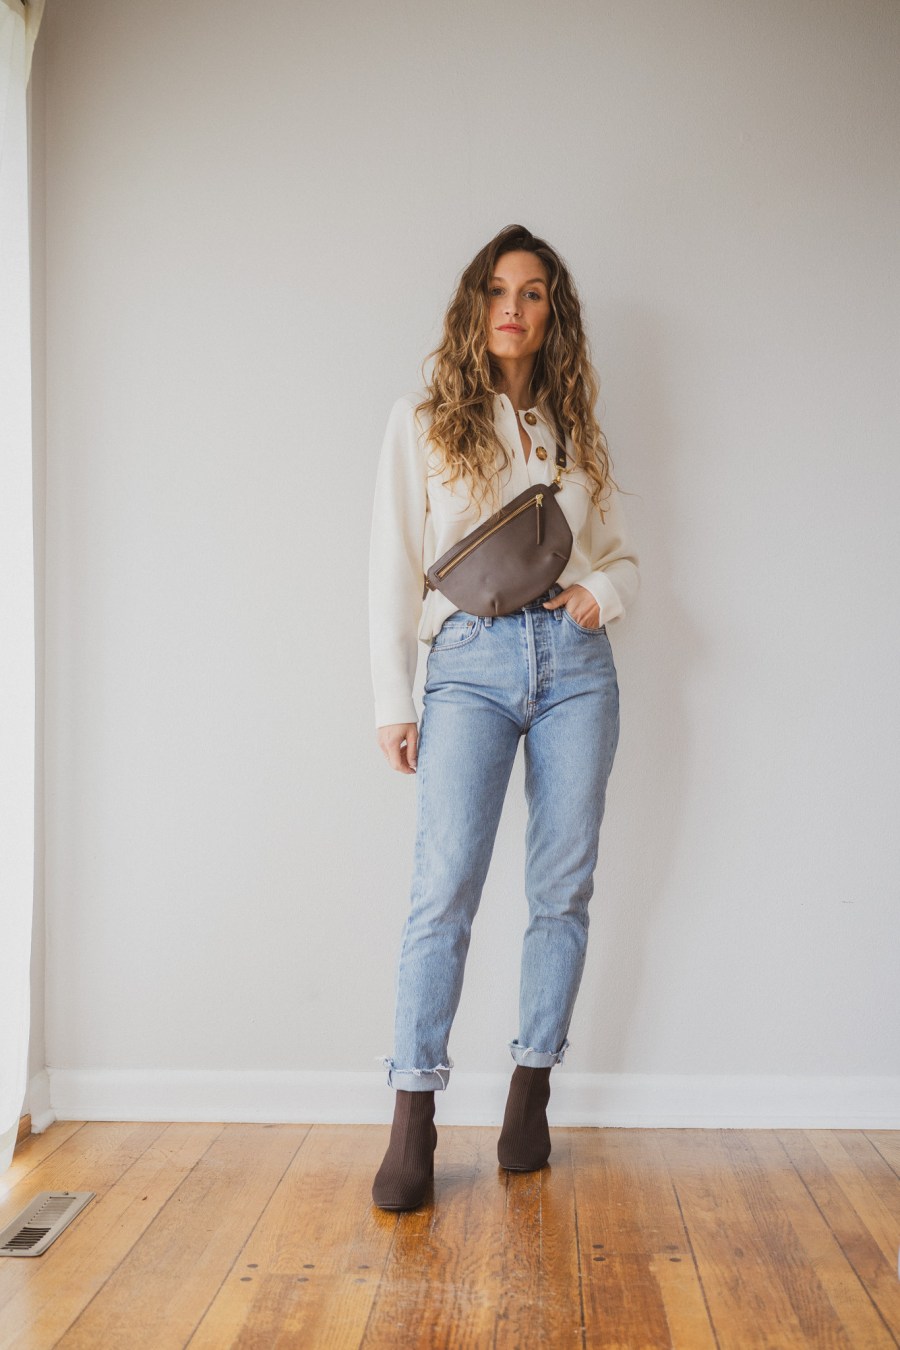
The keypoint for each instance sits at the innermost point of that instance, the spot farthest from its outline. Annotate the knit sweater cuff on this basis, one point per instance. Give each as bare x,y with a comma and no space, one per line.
393,708
604,592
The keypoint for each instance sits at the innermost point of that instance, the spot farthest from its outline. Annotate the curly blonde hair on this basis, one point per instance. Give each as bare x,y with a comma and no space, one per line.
465,376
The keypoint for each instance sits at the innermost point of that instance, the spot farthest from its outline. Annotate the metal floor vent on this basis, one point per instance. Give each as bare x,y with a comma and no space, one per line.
32,1231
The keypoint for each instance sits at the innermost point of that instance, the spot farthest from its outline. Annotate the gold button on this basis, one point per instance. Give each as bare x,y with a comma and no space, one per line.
540,452
530,418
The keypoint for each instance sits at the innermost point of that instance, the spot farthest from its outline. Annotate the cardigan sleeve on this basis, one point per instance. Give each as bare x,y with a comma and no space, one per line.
614,578
396,571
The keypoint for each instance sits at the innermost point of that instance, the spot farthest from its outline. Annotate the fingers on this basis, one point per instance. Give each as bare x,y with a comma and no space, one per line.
586,612
558,599
399,743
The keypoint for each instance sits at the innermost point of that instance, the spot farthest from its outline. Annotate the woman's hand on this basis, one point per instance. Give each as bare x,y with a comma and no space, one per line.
584,609
400,743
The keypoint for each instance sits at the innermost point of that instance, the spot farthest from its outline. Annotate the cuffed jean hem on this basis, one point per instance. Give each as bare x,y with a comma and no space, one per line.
537,1059
416,1080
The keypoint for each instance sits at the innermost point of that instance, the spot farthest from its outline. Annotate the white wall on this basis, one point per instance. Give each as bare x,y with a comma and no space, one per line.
254,222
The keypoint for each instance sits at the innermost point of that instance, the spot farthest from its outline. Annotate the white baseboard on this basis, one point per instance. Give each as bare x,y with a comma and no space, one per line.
37,1102
648,1101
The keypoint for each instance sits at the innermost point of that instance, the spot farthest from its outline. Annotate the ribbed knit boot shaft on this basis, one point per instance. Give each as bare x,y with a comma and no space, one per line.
401,1181
524,1143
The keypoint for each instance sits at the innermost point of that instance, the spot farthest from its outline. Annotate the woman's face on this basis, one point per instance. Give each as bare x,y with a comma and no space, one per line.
519,305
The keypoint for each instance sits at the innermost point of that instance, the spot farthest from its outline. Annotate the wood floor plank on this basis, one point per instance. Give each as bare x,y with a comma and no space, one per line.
442,1280
159,1292
539,1300
34,1150
831,1306
64,1280
887,1142
308,1273
860,1220
867,1180
687,1315
630,1227
719,1191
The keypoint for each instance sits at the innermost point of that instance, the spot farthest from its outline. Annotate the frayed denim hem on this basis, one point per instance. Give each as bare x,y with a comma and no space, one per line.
537,1059
416,1080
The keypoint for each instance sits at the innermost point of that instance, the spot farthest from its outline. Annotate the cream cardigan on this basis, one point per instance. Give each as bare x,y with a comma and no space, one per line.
415,519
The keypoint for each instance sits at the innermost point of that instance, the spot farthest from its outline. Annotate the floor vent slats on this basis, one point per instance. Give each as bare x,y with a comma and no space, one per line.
41,1222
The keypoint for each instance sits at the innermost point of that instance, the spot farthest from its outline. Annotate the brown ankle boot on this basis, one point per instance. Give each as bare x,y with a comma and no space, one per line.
524,1143
402,1179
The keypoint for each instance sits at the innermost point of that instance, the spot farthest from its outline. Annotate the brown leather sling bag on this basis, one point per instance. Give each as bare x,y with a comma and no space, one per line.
512,557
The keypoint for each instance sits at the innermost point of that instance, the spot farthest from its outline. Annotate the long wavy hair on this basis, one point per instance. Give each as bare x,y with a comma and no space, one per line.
466,377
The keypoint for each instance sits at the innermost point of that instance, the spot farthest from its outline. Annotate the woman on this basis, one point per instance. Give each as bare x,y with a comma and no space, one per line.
512,369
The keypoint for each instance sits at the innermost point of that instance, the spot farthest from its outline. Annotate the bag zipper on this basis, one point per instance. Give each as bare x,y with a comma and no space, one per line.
526,506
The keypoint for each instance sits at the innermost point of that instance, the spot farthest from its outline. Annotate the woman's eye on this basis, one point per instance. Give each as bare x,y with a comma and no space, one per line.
498,290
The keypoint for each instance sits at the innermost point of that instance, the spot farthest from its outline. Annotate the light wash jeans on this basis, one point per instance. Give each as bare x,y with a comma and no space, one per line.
534,673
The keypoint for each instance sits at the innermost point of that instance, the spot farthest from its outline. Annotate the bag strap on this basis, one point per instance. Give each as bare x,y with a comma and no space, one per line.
560,458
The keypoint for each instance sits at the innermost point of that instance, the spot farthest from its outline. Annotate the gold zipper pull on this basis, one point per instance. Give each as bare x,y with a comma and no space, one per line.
539,498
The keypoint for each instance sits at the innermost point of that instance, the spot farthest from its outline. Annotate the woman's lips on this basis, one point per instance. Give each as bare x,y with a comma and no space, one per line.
511,328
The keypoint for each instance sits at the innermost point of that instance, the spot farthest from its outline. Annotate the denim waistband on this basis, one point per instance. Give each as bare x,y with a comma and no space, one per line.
538,601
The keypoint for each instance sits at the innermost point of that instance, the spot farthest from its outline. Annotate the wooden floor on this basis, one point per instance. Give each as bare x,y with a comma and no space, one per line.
265,1236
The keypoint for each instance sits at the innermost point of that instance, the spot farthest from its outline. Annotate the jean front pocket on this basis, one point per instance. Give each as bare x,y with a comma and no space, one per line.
593,632
456,631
